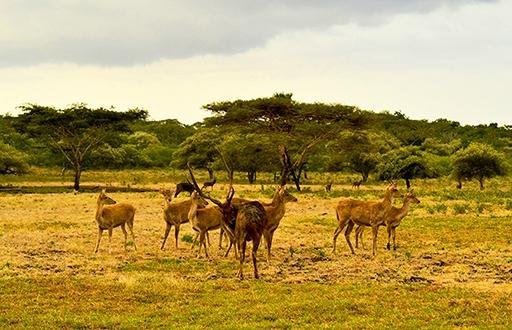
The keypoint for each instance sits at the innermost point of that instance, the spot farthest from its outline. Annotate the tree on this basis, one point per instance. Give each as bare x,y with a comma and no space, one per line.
12,161
75,131
405,163
478,161
361,151
295,127
199,150
250,153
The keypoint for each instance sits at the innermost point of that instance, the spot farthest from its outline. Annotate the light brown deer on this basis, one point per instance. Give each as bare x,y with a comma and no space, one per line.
243,222
175,214
275,211
203,219
350,212
110,215
393,219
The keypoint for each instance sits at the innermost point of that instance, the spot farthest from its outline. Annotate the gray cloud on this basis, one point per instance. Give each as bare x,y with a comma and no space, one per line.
131,32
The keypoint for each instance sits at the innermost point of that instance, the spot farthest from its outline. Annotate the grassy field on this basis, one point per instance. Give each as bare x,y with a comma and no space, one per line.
453,266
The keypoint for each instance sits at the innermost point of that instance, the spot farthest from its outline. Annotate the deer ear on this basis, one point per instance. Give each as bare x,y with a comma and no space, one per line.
104,191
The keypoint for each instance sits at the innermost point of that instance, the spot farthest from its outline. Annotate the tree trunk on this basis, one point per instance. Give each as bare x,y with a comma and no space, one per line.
407,183
210,173
251,176
78,174
365,175
481,180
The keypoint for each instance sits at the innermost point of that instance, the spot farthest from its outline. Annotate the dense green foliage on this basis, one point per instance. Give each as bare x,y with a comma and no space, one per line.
478,161
316,137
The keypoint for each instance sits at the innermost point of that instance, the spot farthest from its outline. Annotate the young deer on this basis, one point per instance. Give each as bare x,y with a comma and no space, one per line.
328,187
203,219
393,219
110,215
350,212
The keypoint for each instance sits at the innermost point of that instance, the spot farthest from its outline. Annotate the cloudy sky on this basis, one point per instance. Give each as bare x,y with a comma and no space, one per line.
426,58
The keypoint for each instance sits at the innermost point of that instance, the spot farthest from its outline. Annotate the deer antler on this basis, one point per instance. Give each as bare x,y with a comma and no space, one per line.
199,191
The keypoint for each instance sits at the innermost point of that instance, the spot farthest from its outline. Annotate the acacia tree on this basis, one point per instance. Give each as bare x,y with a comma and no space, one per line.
405,163
477,161
361,151
76,131
198,150
296,128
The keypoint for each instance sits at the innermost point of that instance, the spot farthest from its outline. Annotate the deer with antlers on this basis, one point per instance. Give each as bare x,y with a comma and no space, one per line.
350,212
110,215
392,219
243,222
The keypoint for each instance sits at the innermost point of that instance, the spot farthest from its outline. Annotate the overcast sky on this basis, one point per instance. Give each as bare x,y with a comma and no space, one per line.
426,58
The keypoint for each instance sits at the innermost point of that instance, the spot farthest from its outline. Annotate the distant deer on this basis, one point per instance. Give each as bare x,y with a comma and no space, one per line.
203,219
184,186
393,219
357,184
110,215
244,222
209,183
328,187
350,212
175,214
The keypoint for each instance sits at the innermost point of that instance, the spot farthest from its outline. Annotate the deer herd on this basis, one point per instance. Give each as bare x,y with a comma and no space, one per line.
242,220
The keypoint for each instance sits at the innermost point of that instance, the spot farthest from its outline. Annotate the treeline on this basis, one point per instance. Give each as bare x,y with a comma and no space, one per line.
274,134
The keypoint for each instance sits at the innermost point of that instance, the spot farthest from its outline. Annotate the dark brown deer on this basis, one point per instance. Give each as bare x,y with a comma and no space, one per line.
209,183
350,212
184,186
110,215
357,184
243,222
328,187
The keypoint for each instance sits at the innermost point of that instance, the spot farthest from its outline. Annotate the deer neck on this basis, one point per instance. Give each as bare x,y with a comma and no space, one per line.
277,208
388,199
193,210
99,211
405,208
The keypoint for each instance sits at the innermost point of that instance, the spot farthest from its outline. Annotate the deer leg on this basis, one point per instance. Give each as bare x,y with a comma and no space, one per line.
268,243
176,234
255,245
208,238
125,236
110,240
390,231
204,237
359,236
394,237
100,232
229,249
167,230
220,237
336,233
195,240
350,226
130,226
375,231
242,259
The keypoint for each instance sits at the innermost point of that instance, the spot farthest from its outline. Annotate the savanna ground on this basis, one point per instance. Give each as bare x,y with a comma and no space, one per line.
453,266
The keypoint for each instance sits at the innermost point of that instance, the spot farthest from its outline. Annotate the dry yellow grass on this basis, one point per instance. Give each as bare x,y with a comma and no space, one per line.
46,256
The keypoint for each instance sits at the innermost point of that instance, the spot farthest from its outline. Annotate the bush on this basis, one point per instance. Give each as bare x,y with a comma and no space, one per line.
12,161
